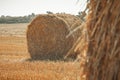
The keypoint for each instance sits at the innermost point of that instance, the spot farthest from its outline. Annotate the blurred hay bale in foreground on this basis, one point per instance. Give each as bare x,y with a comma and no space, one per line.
103,25
47,35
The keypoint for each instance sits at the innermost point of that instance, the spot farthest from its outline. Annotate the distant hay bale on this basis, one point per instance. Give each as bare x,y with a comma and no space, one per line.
103,25
47,36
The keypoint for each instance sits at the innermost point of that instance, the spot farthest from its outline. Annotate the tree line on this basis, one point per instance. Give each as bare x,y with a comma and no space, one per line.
19,19
28,18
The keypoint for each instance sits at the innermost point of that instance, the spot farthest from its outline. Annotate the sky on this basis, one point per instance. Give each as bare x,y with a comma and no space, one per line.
25,7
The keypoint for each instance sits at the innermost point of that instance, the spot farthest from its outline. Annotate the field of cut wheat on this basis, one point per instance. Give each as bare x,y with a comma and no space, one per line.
15,63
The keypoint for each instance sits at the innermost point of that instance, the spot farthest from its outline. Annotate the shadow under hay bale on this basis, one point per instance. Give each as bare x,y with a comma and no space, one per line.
103,25
47,36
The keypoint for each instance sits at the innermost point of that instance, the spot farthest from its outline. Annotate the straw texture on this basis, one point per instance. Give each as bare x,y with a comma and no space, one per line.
47,36
103,26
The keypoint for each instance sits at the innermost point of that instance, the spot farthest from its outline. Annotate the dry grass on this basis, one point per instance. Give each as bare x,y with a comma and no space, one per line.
11,30
39,71
13,41
13,48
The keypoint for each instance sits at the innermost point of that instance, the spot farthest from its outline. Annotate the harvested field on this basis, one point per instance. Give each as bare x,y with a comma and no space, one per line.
40,70
12,47
11,30
13,42
15,64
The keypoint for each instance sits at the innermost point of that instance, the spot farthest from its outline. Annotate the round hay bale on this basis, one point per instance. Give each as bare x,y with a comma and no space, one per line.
46,36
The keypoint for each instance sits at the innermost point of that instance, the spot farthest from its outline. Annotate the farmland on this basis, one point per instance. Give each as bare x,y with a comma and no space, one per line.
15,61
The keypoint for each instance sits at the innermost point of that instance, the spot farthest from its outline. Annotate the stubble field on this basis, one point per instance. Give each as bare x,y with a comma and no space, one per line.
15,61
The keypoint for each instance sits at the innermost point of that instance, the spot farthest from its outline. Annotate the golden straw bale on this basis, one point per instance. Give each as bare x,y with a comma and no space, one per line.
103,25
47,36
80,46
